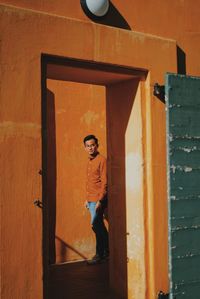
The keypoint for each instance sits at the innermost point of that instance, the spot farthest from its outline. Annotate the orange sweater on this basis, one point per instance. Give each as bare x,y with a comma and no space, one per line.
96,183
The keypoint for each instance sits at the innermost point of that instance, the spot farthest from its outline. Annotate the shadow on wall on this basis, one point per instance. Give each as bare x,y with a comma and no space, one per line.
113,17
181,61
120,99
64,247
159,90
51,174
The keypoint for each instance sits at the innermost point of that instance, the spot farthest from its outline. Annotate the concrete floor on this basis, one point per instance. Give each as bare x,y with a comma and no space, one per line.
79,281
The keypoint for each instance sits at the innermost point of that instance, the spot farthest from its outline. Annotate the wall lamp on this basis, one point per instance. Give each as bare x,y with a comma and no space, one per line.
95,8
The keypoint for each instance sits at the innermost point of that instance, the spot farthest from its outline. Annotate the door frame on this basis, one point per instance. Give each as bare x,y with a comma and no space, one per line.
68,69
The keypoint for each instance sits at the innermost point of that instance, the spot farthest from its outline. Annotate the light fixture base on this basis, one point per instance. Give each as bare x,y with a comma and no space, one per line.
95,9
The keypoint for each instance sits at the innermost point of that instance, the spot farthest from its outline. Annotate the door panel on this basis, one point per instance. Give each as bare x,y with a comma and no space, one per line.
183,167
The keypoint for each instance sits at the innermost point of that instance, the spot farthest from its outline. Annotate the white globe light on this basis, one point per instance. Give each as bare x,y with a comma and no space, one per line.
98,7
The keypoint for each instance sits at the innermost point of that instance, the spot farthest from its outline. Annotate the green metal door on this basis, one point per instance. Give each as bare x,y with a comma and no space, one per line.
183,169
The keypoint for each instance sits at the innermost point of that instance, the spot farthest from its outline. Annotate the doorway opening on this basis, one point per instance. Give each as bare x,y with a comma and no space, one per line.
81,98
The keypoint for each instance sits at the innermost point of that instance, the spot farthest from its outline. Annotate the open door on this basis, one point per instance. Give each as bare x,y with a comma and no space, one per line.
183,168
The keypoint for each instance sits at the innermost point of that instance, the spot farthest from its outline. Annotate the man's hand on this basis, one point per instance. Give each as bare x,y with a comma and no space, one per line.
86,204
98,205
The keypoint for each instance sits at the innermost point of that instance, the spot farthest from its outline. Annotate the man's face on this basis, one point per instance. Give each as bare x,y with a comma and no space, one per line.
91,147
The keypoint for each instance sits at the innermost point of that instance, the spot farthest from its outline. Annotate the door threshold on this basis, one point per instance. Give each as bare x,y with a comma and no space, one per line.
69,262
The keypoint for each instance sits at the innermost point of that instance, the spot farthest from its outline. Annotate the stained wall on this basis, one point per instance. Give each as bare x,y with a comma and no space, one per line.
178,20
79,110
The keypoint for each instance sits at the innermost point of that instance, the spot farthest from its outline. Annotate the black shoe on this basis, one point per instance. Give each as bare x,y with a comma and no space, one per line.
95,260
106,255
96,256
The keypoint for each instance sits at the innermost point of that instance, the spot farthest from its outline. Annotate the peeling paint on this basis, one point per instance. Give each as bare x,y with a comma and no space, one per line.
174,247
89,117
174,106
182,168
183,137
182,227
189,197
181,282
187,149
182,217
13,129
60,111
173,168
187,255
171,137
187,169
183,140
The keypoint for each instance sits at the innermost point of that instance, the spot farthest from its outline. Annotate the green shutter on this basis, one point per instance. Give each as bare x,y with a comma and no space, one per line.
183,170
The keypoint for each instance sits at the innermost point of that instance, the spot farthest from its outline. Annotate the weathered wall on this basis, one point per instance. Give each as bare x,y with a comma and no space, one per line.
183,94
25,34
178,20
79,110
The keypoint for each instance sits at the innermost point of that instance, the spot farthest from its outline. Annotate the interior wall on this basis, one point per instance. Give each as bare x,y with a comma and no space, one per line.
135,213
125,193
79,110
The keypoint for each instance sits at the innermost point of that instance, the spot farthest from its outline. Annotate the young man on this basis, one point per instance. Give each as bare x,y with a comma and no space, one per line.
96,196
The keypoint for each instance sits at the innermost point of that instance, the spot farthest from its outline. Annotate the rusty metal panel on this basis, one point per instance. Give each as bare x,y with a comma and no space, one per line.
183,170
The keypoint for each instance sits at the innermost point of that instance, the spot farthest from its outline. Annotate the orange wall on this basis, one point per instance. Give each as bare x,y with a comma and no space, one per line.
22,122
79,111
25,34
125,189
177,19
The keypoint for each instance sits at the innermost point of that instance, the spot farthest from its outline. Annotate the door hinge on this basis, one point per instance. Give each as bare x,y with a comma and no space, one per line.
162,295
159,92
38,203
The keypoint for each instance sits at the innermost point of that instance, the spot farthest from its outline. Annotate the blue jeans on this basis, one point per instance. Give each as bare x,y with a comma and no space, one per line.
98,226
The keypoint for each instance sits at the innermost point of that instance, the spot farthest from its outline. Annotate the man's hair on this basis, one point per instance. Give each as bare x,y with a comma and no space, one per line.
89,137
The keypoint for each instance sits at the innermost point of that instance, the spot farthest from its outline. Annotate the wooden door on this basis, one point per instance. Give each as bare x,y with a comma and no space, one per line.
183,151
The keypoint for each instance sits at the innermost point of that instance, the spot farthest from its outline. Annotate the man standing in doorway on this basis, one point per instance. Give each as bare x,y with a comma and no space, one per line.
96,197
